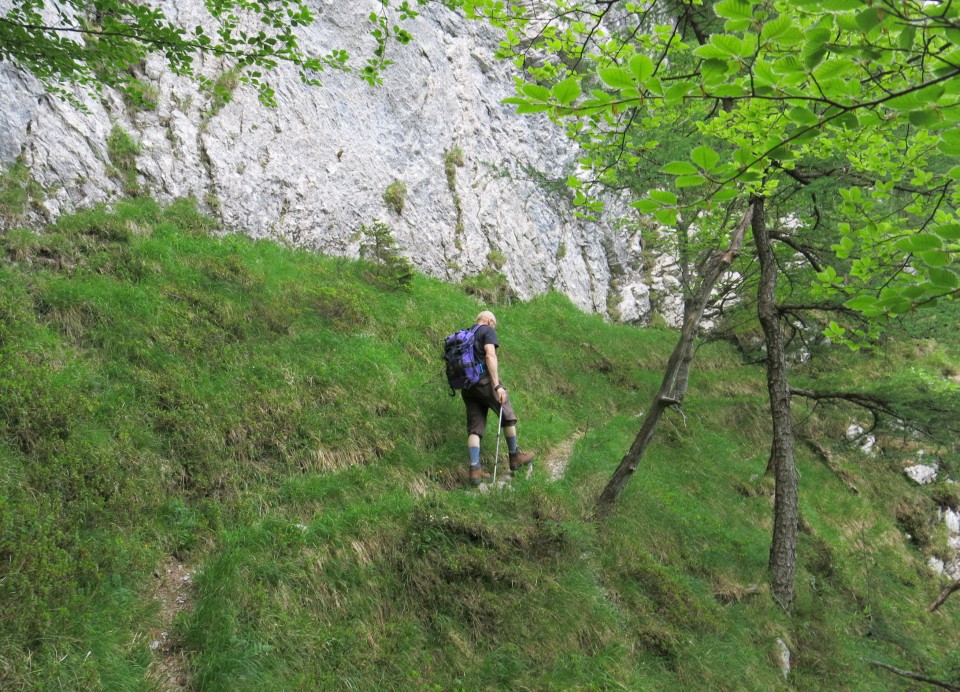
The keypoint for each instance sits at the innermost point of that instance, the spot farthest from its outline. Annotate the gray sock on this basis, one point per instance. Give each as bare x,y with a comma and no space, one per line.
474,453
512,444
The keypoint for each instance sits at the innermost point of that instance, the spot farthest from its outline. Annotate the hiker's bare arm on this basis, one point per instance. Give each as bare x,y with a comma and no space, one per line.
490,351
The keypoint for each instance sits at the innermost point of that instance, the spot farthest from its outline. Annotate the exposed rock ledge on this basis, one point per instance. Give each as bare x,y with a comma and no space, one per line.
314,169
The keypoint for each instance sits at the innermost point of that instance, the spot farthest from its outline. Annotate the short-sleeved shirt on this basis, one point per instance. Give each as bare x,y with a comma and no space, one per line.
484,335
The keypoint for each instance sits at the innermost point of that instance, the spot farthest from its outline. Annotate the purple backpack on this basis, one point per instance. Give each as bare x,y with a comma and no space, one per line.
463,370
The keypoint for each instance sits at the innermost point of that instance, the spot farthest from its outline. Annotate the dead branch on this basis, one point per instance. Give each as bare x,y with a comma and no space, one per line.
944,595
828,460
915,676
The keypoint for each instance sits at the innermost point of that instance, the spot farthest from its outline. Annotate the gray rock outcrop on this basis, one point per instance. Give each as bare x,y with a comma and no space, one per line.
314,169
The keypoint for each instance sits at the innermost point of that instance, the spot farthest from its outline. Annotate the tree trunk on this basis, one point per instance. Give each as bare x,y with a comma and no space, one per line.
711,272
682,380
783,548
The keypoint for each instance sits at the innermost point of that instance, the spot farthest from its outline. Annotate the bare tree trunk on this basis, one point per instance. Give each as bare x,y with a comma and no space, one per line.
711,272
783,547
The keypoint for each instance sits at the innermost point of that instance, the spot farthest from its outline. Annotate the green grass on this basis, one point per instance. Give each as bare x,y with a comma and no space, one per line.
278,421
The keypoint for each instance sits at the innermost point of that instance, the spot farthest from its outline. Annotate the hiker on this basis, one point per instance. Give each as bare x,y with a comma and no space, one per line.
489,393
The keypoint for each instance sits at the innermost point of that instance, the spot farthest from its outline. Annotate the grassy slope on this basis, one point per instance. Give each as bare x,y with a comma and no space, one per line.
279,421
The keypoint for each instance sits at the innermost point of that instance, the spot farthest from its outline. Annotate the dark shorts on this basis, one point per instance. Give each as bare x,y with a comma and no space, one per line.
481,398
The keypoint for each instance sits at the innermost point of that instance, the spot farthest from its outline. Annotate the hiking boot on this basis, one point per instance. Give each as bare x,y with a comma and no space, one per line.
519,460
478,477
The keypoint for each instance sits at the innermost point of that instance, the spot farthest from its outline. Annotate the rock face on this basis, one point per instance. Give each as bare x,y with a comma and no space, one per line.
316,168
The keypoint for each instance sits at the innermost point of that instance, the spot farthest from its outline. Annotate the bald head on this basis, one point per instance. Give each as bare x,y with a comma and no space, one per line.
486,317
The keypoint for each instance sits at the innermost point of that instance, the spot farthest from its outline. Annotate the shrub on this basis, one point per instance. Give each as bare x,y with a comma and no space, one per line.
491,287
396,195
452,160
221,90
123,151
17,191
140,95
390,269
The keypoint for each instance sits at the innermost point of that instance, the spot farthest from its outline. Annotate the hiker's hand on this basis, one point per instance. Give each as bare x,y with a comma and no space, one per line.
501,395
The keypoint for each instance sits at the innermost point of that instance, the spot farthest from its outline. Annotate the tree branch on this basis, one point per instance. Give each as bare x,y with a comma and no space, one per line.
826,307
915,676
944,595
804,250
868,401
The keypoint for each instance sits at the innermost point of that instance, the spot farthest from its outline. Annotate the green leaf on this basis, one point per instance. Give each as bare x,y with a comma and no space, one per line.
805,136
870,18
925,118
789,65
663,196
532,108
536,92
802,116
907,36
895,303
733,9
675,94
935,258
567,91
667,217
834,68
711,52
943,278
690,181
734,26
705,157
848,120
841,5
646,206
642,67
776,28
948,146
731,45
949,231
618,78
920,242
866,304
725,194
680,168
813,58
954,173
915,100
713,70
729,91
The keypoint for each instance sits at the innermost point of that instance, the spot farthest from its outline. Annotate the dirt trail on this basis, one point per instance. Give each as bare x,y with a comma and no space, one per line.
557,459
174,591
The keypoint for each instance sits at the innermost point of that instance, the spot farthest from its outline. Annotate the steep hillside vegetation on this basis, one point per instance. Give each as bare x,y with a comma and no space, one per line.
229,465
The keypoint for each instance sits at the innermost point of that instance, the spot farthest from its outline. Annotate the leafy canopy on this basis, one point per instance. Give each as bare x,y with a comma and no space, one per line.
773,91
93,42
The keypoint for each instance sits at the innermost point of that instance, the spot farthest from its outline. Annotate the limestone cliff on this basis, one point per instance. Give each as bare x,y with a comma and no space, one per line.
315,168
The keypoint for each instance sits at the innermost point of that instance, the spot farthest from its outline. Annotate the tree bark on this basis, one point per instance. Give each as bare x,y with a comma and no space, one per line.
711,272
783,547
682,380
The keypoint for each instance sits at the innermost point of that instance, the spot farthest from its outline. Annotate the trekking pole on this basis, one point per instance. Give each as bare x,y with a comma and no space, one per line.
496,456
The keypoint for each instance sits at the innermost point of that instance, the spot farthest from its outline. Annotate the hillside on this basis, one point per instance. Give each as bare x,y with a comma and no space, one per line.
227,464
